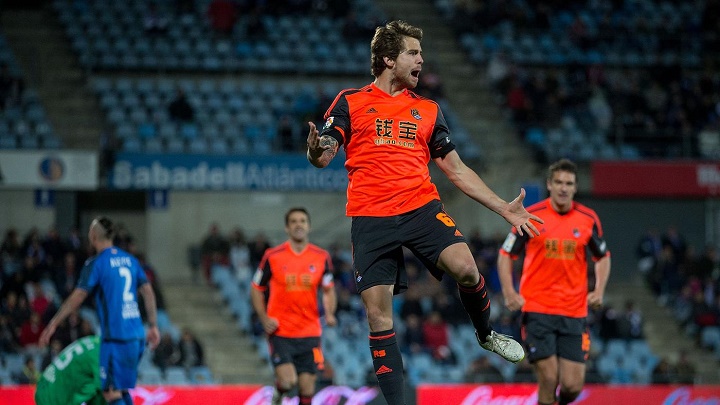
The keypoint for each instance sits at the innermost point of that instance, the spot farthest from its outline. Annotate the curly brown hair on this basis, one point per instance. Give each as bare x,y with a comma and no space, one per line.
388,41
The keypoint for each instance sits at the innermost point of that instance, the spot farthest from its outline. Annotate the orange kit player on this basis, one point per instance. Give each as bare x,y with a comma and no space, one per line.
292,273
390,134
554,294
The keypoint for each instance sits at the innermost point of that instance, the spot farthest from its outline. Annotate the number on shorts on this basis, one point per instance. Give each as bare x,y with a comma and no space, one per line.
445,219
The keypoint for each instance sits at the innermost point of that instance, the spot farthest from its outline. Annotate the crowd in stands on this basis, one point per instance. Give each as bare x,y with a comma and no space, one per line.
685,280
37,272
586,80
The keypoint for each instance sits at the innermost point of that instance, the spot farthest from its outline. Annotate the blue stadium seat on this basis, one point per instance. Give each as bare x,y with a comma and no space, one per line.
8,141
175,145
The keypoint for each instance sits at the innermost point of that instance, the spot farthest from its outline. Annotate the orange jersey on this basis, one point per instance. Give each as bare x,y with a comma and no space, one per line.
554,278
388,142
293,280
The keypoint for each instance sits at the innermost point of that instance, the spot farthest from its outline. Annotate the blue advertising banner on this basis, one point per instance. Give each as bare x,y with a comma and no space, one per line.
137,171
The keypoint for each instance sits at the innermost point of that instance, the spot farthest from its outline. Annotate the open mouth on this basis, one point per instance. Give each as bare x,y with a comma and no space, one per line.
415,73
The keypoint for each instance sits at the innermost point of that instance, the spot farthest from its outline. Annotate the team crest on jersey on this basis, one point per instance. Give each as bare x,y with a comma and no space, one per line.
329,122
416,114
312,268
576,232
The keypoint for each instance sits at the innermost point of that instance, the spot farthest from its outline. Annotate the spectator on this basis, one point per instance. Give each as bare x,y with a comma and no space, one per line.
40,302
8,337
153,279
240,255
167,353
450,307
413,338
222,15
524,372
214,250
123,238
53,349
287,134
608,323
54,248
180,109
30,373
685,369
352,29
66,278
601,111
11,251
648,251
665,280
498,70
676,241
663,372
70,330
518,103
74,241
481,371
507,325
630,322
436,337
257,248
18,309
254,26
430,84
155,21
191,352
11,88
30,331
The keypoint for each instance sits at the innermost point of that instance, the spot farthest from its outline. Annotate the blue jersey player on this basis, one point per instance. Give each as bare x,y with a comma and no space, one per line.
114,277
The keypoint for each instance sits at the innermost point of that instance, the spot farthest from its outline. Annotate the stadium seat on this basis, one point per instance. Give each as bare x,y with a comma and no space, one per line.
176,376
201,375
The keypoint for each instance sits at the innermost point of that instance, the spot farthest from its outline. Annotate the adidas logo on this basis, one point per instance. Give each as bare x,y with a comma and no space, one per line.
458,233
383,370
371,111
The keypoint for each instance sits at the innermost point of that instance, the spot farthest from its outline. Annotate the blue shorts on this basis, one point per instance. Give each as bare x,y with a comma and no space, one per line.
119,363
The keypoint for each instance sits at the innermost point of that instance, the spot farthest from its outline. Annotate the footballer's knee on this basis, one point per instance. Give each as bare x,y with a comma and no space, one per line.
467,274
378,320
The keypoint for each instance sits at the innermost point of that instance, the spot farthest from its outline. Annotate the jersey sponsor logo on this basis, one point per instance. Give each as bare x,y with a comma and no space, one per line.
509,242
130,310
416,114
329,122
561,249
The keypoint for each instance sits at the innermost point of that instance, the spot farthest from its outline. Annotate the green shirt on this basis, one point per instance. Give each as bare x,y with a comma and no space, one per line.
73,377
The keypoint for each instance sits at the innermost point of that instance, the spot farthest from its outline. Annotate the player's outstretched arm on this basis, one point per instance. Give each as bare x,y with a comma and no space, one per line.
471,184
321,149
